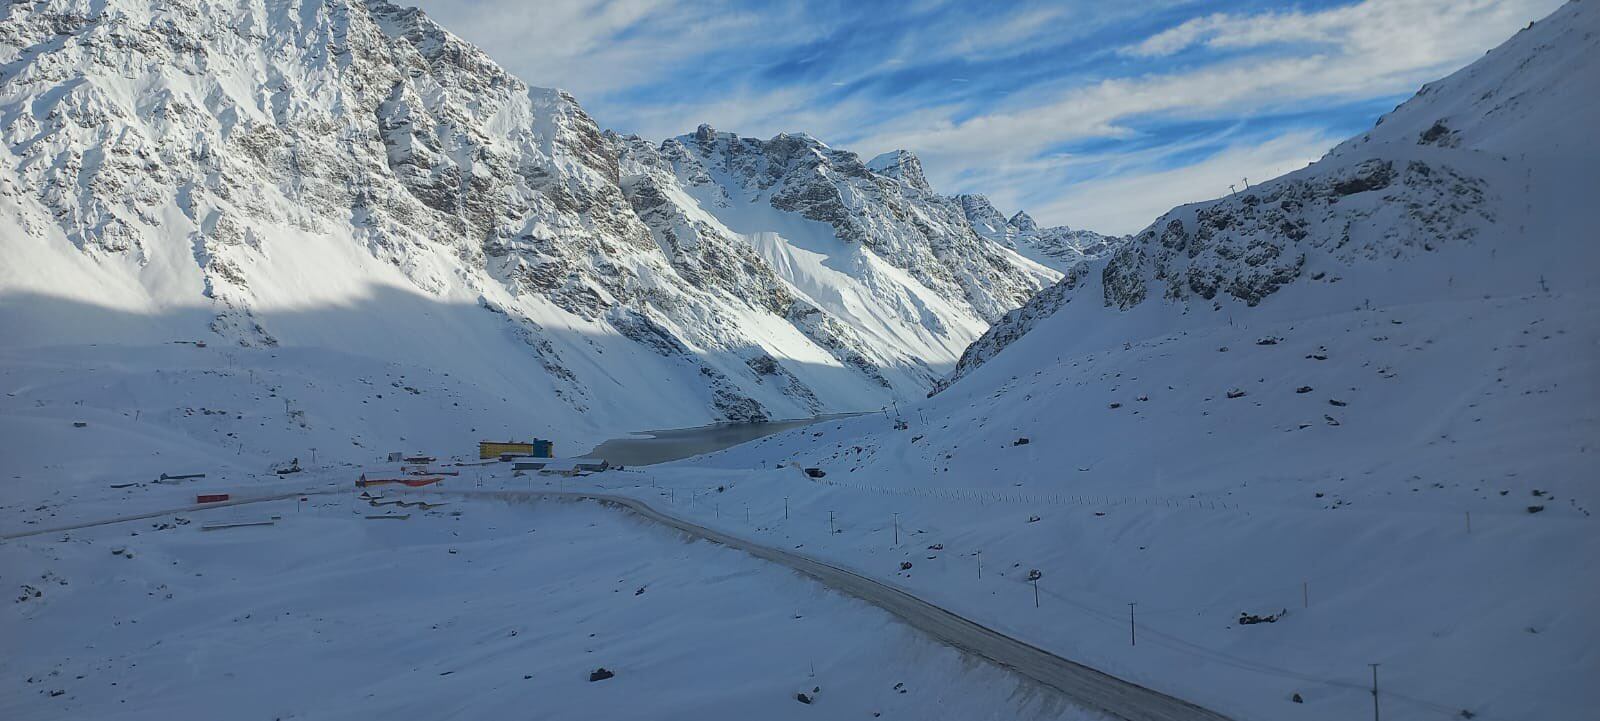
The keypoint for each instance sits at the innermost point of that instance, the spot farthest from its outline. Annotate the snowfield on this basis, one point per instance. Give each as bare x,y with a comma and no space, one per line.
1341,418
468,610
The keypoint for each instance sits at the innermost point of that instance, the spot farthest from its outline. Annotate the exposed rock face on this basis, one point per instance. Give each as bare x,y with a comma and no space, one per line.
1249,245
885,206
1059,247
1413,185
212,152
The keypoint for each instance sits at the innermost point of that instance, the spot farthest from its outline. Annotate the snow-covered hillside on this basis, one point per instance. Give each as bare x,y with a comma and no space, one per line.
345,186
1363,393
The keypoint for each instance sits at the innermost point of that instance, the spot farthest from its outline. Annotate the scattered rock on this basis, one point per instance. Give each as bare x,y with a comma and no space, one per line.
1303,389
1114,405
1246,619
1331,420
1034,574
1033,519
1535,509
1236,393
905,565
1296,698
1337,403
1269,340
600,674
1021,441
802,698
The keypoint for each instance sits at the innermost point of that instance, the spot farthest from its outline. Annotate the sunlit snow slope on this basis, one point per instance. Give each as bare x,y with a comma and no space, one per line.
1376,376
346,188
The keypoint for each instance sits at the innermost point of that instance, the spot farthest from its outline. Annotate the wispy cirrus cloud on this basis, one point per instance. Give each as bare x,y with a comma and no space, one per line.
1059,107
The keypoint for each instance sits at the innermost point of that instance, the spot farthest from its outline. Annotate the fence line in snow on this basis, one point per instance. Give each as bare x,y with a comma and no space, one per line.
1058,499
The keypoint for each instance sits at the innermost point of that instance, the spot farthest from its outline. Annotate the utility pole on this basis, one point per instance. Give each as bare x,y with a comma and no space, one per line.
897,529
785,508
830,523
746,514
1374,691
980,565
313,455
1133,639
1036,592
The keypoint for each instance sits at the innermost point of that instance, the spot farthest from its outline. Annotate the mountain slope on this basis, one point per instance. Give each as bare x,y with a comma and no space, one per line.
1359,398
349,184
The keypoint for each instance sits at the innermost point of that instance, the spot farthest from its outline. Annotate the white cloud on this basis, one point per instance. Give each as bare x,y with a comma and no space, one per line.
1372,25
592,47
1253,65
1128,201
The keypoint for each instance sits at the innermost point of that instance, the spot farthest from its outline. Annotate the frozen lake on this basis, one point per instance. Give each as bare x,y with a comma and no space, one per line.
647,447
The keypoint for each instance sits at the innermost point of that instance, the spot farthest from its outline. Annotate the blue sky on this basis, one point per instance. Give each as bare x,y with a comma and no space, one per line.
1097,115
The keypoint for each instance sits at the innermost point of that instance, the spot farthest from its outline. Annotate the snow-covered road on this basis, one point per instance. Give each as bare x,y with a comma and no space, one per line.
1082,684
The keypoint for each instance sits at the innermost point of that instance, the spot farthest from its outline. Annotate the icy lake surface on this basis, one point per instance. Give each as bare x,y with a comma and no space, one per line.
649,447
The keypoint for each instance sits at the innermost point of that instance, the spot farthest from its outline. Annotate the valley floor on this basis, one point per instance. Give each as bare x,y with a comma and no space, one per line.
475,609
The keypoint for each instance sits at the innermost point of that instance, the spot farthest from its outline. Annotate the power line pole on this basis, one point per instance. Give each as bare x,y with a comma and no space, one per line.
980,565
785,508
1374,691
830,524
896,529
1133,639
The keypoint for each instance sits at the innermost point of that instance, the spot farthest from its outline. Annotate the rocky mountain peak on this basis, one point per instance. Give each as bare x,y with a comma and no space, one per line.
902,165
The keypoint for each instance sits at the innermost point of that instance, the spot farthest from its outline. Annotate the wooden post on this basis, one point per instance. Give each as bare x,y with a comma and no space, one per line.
896,529
1133,639
785,508
980,565
830,523
1374,691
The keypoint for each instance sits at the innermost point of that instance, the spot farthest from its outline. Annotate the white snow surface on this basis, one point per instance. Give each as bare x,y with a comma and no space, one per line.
469,610
1432,290
344,185
1362,395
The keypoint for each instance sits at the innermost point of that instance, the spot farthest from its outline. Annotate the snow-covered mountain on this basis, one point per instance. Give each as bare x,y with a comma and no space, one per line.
349,184
1421,181
1058,247
1359,398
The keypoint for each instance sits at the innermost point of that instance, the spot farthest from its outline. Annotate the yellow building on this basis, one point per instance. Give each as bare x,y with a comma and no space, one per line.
538,448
